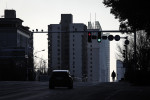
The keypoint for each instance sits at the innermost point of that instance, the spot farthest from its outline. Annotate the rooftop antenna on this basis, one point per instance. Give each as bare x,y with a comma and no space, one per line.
6,5
95,16
95,20
90,17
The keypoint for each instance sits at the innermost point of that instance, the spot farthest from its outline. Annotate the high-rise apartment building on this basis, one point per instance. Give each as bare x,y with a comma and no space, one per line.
105,60
78,50
58,38
69,49
98,56
67,46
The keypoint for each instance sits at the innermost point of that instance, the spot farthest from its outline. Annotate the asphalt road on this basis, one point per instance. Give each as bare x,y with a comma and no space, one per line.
81,91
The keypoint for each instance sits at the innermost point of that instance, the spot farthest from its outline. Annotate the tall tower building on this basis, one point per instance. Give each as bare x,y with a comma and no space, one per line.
78,50
66,20
67,46
105,60
69,49
98,56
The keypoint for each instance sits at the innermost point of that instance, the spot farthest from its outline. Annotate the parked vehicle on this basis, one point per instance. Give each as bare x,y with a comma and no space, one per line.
60,78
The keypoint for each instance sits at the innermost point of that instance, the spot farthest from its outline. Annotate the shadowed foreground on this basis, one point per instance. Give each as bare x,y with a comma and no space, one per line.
81,91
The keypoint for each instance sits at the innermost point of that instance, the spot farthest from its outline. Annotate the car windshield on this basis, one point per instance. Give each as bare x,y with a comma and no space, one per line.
59,74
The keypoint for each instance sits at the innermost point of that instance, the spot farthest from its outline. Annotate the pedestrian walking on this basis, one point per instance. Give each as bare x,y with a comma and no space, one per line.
113,75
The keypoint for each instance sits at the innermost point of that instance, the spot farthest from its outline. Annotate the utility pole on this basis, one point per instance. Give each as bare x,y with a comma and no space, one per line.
135,51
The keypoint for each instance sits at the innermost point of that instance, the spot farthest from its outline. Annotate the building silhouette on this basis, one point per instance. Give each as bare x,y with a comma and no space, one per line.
105,60
78,50
16,53
68,48
120,70
98,56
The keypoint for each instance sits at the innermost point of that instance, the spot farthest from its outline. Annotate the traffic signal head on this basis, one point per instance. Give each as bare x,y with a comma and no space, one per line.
124,53
89,37
110,37
117,37
99,37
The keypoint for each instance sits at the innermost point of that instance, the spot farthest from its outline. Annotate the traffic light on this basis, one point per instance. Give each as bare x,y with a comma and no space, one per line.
126,42
110,37
89,37
99,37
117,37
124,53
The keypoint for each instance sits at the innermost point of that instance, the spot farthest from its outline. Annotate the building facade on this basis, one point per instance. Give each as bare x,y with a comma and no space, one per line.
16,43
78,50
120,70
105,60
67,49
98,56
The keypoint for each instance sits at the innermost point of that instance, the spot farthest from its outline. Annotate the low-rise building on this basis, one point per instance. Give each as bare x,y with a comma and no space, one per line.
16,48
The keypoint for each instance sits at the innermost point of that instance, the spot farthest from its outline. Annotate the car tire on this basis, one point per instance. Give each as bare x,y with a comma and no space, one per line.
51,87
70,87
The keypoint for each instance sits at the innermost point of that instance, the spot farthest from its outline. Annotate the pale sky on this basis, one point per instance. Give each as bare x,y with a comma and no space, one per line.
38,14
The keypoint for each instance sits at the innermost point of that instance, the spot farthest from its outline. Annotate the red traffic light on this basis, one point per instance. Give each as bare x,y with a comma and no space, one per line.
89,34
89,37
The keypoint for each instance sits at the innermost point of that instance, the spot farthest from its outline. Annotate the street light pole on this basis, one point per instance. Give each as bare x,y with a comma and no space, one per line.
39,51
134,51
26,56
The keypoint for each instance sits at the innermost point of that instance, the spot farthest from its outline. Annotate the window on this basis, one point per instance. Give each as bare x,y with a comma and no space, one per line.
75,29
91,58
73,71
73,57
73,62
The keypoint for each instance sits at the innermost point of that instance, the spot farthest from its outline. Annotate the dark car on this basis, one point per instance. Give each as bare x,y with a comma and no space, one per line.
60,78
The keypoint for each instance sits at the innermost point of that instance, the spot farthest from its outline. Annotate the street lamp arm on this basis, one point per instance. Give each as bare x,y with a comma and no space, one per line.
39,51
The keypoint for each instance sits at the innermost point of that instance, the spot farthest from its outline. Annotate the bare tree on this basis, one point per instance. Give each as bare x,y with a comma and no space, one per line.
142,56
